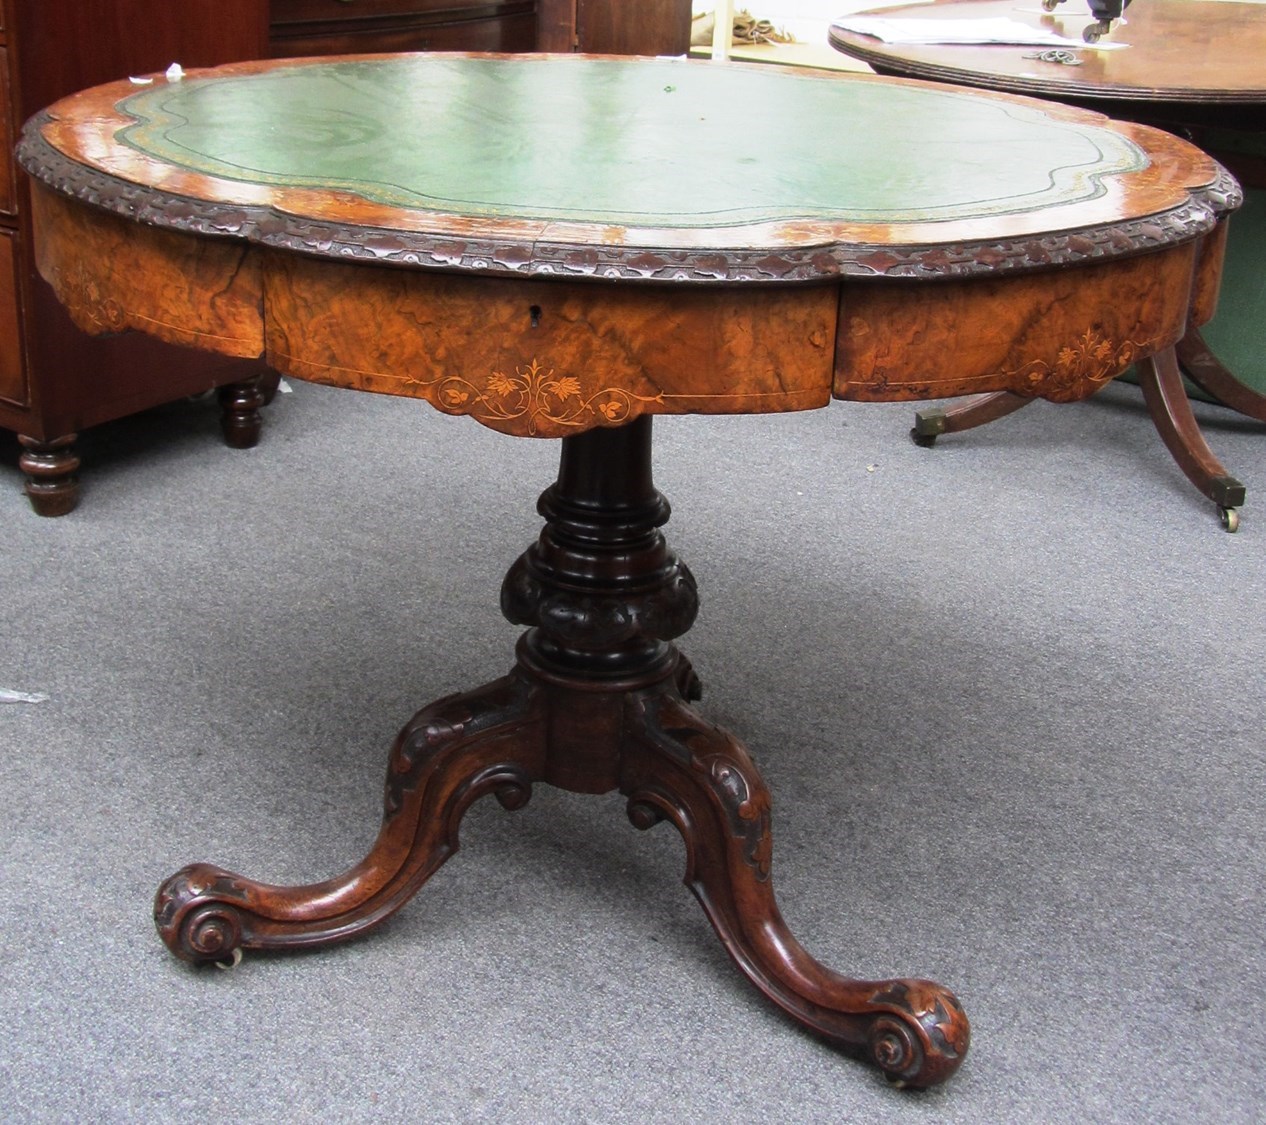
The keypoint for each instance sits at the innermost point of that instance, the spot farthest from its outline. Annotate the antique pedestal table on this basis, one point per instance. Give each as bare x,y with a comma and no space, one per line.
1196,69
563,247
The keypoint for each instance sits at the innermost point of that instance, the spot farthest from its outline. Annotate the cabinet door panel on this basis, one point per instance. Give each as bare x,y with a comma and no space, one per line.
6,137
306,11
649,27
12,371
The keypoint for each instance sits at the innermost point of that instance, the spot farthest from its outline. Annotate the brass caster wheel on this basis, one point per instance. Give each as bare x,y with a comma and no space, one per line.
232,963
1230,519
1094,31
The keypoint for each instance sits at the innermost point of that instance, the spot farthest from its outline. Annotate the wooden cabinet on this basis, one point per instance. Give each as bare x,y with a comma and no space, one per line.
615,27
336,27
54,380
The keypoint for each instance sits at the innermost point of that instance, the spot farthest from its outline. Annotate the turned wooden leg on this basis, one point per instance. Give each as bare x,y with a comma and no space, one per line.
449,755
50,466
684,769
929,424
240,417
1167,402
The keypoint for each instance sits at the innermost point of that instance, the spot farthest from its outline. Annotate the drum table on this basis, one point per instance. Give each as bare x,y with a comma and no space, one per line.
1196,69
564,247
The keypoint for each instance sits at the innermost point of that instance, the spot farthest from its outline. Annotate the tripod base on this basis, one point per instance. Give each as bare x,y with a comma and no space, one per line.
598,701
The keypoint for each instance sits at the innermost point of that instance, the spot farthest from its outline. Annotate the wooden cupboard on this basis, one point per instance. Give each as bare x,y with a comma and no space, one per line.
615,27
54,380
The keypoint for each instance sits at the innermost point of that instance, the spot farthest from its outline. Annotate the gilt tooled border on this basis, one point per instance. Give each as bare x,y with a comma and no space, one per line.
576,262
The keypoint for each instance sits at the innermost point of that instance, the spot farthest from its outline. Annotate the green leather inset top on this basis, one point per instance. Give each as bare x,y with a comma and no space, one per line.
664,144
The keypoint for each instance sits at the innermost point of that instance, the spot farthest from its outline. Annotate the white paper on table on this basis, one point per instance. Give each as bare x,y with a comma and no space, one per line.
991,30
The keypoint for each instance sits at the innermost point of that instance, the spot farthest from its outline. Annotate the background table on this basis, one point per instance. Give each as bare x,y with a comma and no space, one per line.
565,247
1193,68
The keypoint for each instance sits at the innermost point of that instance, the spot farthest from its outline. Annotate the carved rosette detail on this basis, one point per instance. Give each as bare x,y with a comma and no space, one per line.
543,258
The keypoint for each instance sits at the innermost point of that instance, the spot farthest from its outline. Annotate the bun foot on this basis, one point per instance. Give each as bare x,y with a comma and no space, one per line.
240,418
50,466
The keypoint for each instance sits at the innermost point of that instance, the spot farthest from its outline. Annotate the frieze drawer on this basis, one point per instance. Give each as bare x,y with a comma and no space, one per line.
331,27
441,11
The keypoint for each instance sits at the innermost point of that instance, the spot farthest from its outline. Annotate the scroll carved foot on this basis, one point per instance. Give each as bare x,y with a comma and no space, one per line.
449,755
684,769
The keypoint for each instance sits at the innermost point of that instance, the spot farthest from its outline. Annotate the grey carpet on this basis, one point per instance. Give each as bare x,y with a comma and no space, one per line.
1007,694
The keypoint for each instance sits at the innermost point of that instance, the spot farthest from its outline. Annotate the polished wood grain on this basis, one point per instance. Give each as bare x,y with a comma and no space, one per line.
542,358
614,27
546,309
337,27
1194,68
1060,337
649,27
1180,55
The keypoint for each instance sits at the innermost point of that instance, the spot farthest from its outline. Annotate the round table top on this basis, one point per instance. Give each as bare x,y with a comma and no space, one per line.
1177,53
644,169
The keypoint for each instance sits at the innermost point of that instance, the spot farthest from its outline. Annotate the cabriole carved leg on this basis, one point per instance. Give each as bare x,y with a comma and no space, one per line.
681,768
50,468
451,753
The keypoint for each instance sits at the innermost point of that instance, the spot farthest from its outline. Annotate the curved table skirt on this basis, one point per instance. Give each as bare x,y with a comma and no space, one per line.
550,357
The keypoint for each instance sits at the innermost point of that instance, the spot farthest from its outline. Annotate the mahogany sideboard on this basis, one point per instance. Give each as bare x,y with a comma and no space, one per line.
54,380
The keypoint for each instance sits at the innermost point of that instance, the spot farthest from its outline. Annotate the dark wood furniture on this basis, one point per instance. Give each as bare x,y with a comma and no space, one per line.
615,27
1195,69
548,281
55,381
334,27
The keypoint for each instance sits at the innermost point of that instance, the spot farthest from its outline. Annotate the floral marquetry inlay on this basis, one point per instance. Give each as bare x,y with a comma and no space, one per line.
1080,368
538,401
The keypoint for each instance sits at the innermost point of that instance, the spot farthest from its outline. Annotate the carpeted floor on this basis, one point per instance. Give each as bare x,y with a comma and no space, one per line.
1007,693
